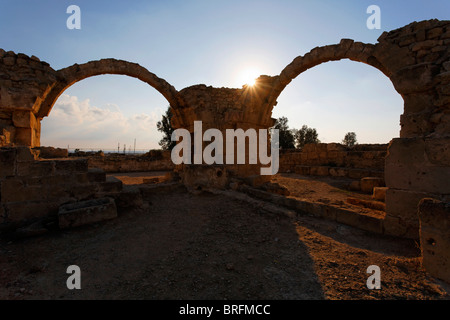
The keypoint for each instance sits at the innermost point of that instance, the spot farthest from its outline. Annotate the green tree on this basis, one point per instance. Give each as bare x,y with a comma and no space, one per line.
165,127
350,139
286,137
306,135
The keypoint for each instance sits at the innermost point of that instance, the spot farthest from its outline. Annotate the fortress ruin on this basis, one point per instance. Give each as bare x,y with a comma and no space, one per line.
416,58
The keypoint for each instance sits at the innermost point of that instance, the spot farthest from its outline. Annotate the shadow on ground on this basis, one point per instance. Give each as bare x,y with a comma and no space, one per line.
182,247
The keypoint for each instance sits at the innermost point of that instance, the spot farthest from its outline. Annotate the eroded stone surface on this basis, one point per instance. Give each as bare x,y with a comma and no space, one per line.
435,237
86,212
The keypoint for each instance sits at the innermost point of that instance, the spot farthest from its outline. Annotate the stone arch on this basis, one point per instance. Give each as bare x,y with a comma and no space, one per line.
70,75
417,61
346,49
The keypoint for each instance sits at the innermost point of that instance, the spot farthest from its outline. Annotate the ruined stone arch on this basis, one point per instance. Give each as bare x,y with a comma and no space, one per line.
417,61
346,49
77,72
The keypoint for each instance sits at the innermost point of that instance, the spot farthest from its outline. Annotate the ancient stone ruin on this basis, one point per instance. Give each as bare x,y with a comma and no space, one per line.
416,58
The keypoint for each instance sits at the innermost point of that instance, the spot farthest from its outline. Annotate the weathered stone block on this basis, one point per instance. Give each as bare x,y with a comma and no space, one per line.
9,61
312,155
86,212
52,153
379,193
369,183
60,193
324,211
24,136
359,221
416,78
200,177
26,154
418,102
7,162
35,168
427,44
335,147
71,165
24,119
432,179
435,237
12,190
438,151
435,32
395,226
408,166
403,204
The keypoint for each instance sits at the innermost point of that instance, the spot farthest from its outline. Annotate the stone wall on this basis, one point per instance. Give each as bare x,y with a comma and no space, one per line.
131,163
23,81
416,168
334,159
435,237
32,188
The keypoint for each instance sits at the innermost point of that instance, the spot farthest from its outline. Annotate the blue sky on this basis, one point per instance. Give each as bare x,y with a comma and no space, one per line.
213,43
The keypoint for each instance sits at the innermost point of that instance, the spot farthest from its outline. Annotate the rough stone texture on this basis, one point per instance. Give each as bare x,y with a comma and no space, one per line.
336,160
51,153
435,237
379,193
369,183
416,168
86,212
7,161
203,177
32,188
131,163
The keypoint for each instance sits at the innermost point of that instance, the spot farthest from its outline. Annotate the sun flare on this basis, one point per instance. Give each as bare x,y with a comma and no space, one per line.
248,77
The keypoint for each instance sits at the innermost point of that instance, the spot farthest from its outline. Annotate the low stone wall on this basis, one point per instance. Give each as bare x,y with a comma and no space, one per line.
33,188
159,161
335,160
154,160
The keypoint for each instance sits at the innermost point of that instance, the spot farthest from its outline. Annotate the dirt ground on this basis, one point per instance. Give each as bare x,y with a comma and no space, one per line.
213,246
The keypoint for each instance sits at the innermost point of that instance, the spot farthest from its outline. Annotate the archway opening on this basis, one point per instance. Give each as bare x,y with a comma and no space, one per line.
343,96
111,113
336,98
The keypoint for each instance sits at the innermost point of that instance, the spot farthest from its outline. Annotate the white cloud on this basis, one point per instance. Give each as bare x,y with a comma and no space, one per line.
80,125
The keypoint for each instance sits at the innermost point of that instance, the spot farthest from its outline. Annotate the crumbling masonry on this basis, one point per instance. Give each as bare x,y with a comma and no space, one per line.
416,58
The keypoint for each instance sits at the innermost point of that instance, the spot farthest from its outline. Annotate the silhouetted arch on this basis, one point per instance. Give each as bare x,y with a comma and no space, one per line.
70,75
346,49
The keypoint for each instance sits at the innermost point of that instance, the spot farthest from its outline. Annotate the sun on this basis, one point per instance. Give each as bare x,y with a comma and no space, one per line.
248,76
